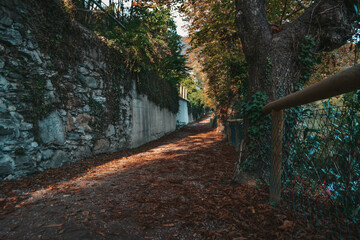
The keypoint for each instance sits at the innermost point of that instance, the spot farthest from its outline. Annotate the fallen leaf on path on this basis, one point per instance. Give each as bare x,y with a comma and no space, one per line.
168,225
286,224
116,234
252,209
101,233
13,228
54,225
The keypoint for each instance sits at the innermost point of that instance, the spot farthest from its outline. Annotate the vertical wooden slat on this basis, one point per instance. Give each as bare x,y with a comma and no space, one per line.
276,160
237,136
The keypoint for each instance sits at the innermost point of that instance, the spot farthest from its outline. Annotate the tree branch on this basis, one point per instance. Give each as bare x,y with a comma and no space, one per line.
300,4
253,27
327,21
283,13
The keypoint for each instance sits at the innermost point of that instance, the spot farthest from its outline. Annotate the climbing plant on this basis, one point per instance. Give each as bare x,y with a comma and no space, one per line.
151,48
259,129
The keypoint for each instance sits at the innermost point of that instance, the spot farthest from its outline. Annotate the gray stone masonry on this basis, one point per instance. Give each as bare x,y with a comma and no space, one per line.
32,140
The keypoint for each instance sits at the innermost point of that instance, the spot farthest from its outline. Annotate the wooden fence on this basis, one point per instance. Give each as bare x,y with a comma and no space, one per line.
342,82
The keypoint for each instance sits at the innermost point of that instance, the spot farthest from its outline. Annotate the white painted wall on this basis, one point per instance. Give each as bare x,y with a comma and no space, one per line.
183,114
149,121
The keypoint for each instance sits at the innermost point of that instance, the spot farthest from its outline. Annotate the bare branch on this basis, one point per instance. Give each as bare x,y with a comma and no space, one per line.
283,13
328,22
300,4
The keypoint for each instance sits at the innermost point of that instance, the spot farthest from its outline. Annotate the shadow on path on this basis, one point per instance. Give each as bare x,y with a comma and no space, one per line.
175,188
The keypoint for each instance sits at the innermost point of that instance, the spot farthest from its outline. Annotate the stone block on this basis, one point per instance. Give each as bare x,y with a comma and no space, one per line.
34,145
49,85
101,146
83,71
110,130
47,154
17,117
2,105
83,120
4,115
24,126
89,65
33,54
6,21
70,124
52,130
89,81
31,46
3,82
83,152
11,36
18,26
6,131
99,99
15,76
73,136
59,158
7,165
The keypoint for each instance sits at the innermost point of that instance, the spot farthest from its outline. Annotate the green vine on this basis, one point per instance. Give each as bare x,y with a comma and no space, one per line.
34,94
98,111
267,72
307,60
258,129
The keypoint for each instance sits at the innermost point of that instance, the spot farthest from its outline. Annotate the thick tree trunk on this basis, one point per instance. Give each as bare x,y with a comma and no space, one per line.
274,68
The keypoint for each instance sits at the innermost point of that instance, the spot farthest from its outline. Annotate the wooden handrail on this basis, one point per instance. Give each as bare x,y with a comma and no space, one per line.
98,3
235,120
342,82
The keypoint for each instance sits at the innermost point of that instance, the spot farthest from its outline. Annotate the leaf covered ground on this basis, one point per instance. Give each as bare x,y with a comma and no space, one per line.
178,187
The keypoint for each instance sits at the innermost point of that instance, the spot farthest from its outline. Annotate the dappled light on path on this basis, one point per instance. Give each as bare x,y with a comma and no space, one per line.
178,187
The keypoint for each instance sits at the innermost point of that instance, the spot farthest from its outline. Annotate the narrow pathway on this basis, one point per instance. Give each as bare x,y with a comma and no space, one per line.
178,187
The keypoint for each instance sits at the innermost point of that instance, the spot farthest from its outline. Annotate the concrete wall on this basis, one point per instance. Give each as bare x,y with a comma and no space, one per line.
149,121
182,117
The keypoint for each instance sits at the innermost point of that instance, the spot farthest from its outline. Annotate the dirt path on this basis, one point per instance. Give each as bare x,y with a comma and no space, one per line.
175,188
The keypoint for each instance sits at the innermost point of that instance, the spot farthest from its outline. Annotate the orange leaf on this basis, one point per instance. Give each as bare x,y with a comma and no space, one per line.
101,233
54,225
286,224
168,225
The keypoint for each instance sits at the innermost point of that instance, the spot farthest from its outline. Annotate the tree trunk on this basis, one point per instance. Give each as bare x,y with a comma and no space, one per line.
275,69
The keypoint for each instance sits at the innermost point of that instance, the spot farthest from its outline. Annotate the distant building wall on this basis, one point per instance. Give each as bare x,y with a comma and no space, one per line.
149,122
182,117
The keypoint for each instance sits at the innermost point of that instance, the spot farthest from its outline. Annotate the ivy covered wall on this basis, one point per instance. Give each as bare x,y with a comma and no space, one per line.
65,93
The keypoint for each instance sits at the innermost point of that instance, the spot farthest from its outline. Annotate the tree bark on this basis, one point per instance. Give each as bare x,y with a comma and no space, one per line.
273,62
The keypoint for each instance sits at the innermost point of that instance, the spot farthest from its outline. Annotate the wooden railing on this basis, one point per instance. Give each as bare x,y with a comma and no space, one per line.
101,5
342,82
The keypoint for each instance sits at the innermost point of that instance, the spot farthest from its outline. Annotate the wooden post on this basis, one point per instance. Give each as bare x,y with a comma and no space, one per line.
237,136
276,160
228,132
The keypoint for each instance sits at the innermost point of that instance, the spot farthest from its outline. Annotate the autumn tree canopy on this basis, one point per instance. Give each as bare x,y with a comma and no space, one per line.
258,51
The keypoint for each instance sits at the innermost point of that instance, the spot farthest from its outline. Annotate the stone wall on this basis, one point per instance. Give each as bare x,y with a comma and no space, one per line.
52,115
